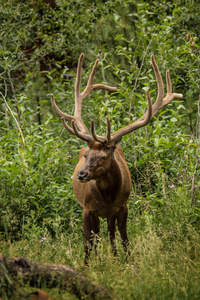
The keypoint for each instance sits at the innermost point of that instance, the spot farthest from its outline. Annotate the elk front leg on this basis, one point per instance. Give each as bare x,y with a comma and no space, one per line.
122,220
111,229
90,228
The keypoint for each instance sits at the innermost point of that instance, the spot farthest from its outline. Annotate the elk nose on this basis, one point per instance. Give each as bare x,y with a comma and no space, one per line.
82,175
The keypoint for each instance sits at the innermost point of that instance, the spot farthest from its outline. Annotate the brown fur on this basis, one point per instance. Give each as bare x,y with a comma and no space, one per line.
106,192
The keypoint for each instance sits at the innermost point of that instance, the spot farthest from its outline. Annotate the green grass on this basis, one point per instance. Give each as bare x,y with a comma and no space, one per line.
161,266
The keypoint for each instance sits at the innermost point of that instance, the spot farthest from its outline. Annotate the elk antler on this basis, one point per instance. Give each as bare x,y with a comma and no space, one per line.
76,120
160,103
116,136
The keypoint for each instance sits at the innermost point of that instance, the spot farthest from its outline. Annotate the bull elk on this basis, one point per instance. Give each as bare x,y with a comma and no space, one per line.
101,180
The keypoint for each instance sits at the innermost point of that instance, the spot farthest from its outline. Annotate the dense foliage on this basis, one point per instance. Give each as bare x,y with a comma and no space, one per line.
41,41
40,44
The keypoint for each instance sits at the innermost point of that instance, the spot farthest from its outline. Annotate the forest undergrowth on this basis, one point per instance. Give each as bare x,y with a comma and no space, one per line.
41,220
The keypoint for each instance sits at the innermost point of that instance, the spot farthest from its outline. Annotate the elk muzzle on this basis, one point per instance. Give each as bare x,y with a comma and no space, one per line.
82,176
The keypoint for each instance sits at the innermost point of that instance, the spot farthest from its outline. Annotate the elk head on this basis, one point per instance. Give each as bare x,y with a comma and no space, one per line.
98,159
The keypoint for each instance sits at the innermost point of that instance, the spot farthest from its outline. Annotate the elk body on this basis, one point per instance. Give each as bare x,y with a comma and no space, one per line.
101,180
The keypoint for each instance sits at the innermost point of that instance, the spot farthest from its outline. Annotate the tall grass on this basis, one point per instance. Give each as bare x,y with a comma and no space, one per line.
164,261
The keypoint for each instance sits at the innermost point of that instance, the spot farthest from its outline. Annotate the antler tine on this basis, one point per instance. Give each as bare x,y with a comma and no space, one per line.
82,136
78,77
170,96
92,74
78,99
96,137
61,114
58,111
169,85
91,86
161,101
108,132
98,86
160,94
102,139
67,126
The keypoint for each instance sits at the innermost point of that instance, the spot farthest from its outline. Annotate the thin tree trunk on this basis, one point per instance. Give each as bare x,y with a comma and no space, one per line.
197,154
38,111
15,98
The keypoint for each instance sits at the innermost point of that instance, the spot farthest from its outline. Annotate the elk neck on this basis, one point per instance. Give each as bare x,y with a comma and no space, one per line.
109,183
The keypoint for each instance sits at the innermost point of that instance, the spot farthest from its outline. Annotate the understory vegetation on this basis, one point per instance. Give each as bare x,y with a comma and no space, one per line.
40,218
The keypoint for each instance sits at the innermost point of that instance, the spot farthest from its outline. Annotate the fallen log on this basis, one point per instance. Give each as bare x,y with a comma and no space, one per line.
64,277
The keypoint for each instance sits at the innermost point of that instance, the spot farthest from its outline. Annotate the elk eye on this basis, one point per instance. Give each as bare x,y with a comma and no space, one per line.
103,158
